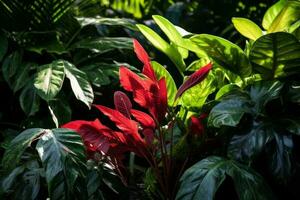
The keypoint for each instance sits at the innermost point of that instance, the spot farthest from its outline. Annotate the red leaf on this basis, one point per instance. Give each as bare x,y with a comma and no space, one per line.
122,103
163,102
129,80
149,135
196,127
194,79
129,127
144,119
144,58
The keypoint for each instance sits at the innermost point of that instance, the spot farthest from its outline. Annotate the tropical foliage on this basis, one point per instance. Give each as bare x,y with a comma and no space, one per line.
205,118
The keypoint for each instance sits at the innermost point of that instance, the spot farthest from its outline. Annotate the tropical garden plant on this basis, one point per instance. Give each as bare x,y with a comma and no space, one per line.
230,130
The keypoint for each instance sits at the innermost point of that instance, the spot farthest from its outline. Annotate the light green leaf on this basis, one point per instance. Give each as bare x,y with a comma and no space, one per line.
202,180
272,13
247,28
286,17
276,55
18,145
226,89
80,84
163,46
104,44
160,72
49,79
224,53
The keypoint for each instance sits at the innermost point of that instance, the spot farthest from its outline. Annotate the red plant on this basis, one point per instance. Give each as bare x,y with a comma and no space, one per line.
137,130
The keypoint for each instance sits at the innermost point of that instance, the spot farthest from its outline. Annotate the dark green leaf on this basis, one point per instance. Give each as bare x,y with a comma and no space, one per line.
29,99
3,45
18,145
10,66
60,111
63,156
127,23
224,53
49,79
82,89
104,44
202,180
276,55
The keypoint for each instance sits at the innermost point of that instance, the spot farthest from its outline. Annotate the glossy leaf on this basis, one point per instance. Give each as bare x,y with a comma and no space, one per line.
202,180
272,13
18,145
104,44
122,103
127,23
160,72
247,28
81,87
224,53
29,99
62,154
144,119
194,79
230,110
60,111
276,55
49,79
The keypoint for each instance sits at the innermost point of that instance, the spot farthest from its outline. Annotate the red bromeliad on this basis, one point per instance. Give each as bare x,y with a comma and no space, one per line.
137,130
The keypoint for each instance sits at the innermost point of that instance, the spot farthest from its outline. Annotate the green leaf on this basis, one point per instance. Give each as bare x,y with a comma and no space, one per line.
202,180
49,79
226,89
80,84
10,67
60,111
9,180
272,13
230,110
246,146
29,99
276,55
160,72
3,45
127,23
104,44
195,97
63,156
18,145
286,17
247,28
163,46
224,53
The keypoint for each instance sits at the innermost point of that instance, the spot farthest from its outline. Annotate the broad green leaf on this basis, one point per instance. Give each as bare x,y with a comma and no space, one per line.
3,45
276,55
127,23
195,97
80,84
160,72
272,13
287,16
230,110
247,28
224,53
9,180
247,145
49,79
226,89
22,76
104,44
29,99
63,155
18,145
262,92
202,180
163,46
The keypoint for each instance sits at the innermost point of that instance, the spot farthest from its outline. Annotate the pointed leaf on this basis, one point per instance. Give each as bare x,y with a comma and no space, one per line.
272,13
247,28
49,79
29,99
144,119
81,87
122,103
194,79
